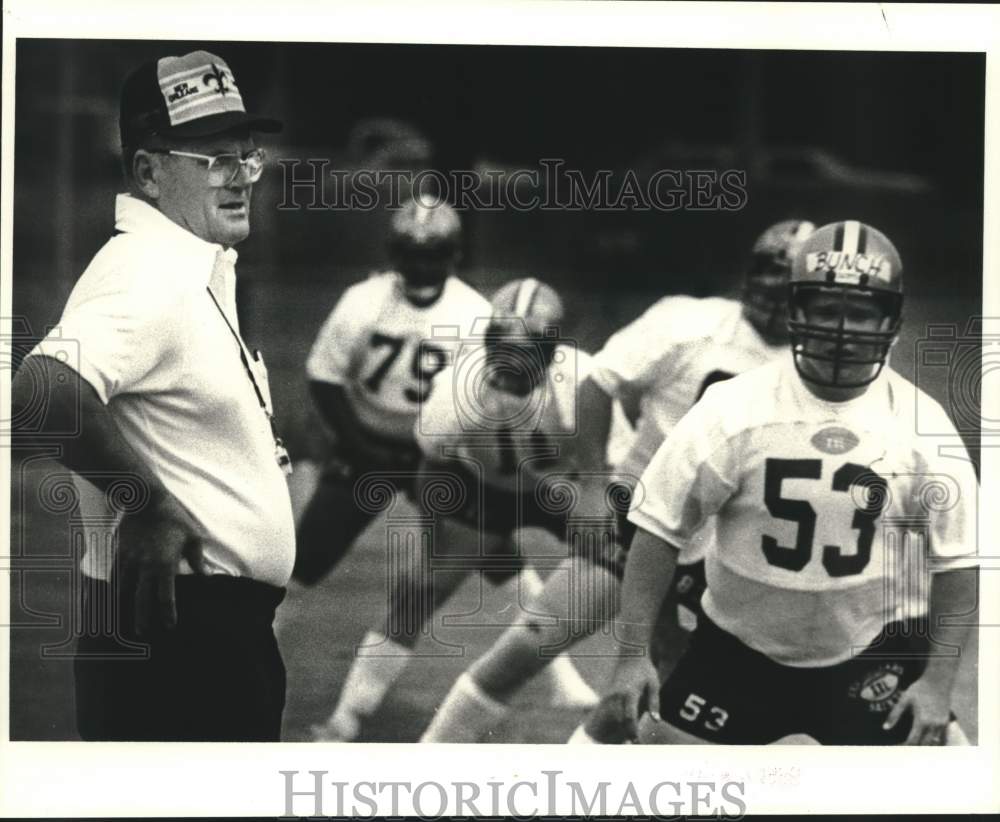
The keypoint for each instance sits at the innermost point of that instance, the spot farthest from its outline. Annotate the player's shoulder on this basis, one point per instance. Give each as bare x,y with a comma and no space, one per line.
752,384
746,401
377,285
684,318
459,291
914,410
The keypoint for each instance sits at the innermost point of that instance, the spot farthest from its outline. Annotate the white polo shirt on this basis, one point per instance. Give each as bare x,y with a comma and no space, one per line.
141,328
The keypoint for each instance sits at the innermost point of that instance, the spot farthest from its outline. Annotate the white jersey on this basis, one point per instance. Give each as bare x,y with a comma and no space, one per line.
665,360
667,357
516,440
829,517
385,351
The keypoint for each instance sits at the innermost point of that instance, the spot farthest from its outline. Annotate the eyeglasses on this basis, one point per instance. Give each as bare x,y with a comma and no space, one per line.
223,169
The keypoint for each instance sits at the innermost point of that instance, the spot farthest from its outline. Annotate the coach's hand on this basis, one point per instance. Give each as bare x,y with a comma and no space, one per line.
930,705
151,544
634,691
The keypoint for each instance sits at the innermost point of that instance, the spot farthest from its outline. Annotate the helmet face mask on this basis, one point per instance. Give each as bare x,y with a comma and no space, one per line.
522,336
765,303
846,301
833,349
424,244
765,286
517,365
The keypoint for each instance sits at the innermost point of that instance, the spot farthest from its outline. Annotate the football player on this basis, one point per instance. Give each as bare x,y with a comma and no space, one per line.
841,537
490,433
369,372
656,368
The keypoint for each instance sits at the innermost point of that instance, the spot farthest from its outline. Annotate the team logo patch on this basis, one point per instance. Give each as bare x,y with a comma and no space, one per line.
849,268
880,689
835,440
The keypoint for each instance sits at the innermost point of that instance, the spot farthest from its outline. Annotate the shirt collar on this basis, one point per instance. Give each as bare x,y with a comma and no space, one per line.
135,216
871,402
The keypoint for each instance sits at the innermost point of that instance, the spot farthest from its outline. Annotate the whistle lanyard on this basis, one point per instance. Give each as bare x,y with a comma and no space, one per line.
280,453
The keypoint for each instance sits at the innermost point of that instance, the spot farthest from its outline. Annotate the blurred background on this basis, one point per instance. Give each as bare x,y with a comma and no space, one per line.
892,139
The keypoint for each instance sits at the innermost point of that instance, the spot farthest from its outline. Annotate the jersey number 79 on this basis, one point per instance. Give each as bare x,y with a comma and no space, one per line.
837,563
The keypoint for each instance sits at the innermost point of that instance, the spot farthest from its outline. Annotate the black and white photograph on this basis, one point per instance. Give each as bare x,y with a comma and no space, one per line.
453,398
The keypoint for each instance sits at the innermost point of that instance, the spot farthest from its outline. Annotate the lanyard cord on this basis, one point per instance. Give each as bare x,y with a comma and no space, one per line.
246,364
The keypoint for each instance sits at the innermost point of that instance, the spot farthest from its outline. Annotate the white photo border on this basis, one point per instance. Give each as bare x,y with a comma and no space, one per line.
139,779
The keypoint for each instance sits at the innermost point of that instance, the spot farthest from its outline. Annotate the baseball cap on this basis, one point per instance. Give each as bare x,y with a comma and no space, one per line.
194,95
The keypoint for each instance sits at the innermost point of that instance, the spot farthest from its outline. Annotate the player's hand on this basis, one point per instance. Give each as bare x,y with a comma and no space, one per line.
635,690
930,706
152,542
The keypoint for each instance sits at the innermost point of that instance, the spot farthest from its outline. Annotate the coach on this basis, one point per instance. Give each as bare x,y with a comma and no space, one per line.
148,354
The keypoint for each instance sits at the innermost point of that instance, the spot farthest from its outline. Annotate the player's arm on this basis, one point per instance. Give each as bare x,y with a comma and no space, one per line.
594,416
353,441
649,573
951,545
153,539
645,351
953,592
687,481
331,367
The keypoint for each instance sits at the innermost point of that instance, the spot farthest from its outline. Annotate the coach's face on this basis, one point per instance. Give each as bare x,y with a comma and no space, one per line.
191,195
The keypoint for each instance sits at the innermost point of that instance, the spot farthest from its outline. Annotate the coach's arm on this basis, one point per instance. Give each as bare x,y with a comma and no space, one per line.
152,540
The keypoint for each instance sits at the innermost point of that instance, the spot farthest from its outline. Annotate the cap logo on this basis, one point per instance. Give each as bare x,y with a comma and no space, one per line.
217,77
849,268
197,85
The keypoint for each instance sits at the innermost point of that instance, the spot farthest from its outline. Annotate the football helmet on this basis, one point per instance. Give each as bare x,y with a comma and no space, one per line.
424,241
522,335
765,285
852,260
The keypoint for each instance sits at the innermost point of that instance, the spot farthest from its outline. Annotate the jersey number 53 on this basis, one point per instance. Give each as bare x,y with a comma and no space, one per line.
835,561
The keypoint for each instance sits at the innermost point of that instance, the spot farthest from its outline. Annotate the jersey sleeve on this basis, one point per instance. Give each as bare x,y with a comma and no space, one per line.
116,337
332,354
475,310
649,347
689,478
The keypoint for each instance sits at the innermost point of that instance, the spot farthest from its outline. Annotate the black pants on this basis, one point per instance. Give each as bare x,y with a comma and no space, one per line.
217,676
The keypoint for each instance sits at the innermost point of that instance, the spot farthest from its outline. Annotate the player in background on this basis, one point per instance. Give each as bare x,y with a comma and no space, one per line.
656,368
832,520
499,412
368,374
